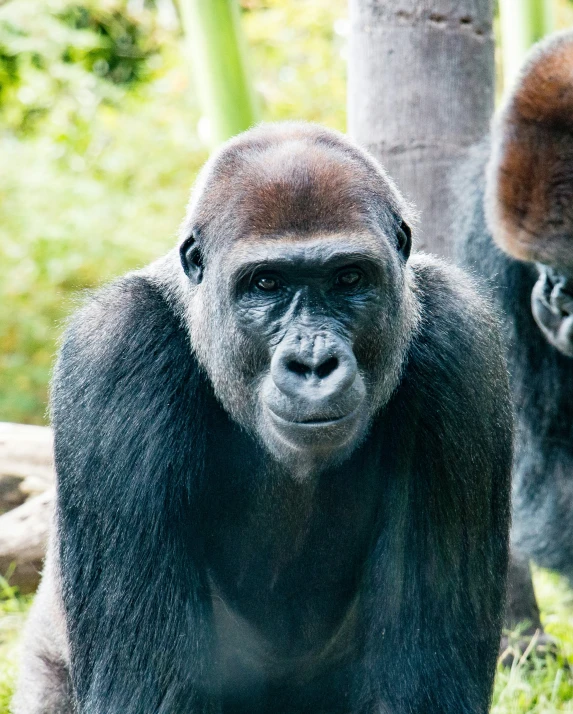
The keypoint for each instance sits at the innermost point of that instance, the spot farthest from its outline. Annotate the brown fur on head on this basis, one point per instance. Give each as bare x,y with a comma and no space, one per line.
291,178
529,194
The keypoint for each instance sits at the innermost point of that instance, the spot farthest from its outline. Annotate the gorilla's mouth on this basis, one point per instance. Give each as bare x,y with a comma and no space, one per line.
314,421
323,422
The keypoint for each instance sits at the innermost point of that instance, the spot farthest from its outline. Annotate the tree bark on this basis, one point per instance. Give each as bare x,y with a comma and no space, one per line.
26,463
420,93
23,540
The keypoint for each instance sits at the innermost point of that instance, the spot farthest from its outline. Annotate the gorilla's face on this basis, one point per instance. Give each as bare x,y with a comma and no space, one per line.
310,334
300,308
552,307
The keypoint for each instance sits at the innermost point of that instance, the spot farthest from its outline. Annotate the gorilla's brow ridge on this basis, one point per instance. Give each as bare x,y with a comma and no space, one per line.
323,248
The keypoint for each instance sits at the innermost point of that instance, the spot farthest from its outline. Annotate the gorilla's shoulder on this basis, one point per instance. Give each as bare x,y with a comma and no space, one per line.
459,325
127,332
455,374
131,311
449,292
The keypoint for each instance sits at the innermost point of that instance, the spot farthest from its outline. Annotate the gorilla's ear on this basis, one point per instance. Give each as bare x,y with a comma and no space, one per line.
191,259
529,187
404,238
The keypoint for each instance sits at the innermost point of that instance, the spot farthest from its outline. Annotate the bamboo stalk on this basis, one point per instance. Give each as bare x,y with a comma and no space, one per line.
523,23
218,57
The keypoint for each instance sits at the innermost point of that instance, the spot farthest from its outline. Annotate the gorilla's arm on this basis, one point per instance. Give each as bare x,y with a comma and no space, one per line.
129,402
443,545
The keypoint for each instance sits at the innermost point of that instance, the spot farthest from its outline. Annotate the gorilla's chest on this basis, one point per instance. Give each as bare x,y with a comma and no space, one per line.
286,565
281,617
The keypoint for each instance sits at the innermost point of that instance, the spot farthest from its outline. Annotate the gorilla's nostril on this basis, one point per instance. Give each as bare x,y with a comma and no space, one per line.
305,370
298,368
326,368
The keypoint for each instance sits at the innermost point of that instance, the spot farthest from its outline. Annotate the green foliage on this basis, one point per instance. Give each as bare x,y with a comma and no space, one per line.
120,45
73,219
59,61
298,51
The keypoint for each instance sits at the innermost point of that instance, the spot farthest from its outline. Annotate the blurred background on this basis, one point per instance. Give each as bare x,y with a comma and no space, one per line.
101,136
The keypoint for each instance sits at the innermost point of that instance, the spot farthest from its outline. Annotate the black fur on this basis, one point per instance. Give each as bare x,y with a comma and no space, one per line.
541,381
412,530
129,413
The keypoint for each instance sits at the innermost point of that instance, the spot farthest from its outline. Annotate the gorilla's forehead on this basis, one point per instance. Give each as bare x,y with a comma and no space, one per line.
298,179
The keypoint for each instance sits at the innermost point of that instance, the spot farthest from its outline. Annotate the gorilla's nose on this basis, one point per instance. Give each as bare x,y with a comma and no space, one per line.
313,367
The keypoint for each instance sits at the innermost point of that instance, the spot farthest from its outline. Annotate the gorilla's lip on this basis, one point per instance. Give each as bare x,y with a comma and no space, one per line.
322,422
314,423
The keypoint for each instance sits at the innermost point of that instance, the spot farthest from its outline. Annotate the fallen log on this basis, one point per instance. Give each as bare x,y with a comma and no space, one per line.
26,463
23,540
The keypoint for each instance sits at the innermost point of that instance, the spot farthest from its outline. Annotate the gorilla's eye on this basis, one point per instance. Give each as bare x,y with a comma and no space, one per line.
268,283
348,278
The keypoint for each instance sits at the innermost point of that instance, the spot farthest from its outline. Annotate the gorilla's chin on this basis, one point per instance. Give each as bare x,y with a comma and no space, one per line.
313,445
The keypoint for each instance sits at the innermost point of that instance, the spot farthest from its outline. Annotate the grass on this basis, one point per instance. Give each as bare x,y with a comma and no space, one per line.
542,686
13,609
534,686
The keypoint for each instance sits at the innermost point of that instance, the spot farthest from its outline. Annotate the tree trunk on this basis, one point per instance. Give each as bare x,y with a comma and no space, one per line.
420,93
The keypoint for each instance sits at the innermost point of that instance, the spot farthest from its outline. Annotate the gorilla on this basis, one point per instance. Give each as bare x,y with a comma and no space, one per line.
514,228
284,461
